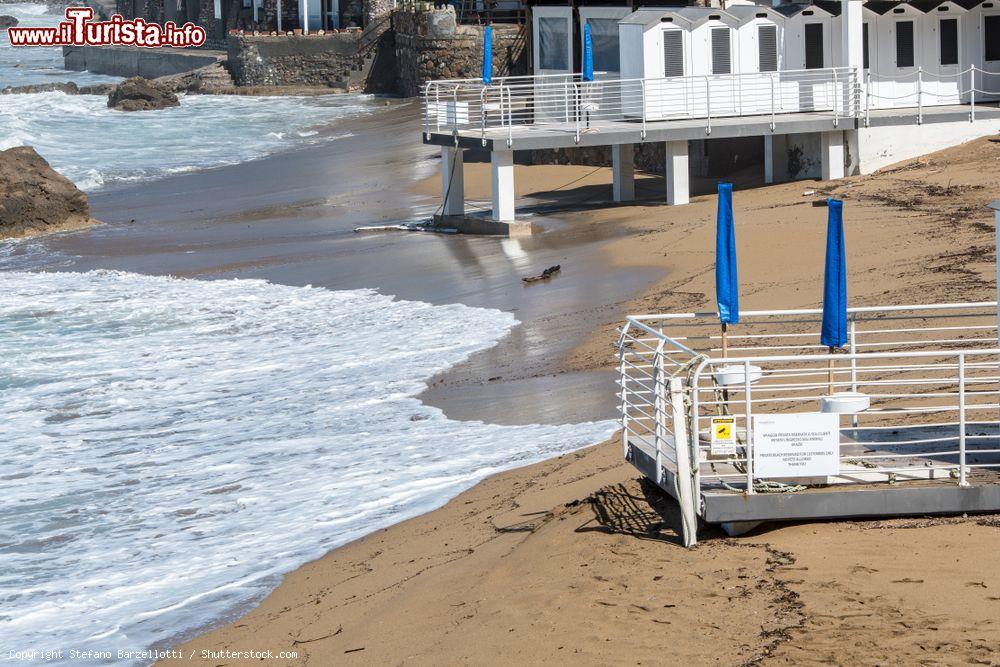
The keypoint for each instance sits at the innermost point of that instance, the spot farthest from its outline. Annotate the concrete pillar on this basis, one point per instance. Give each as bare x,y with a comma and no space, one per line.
769,158
852,40
452,181
623,172
832,155
677,172
852,49
852,146
502,167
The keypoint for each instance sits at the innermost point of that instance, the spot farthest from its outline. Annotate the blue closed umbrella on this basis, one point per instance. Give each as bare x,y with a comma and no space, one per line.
834,332
488,55
727,284
588,54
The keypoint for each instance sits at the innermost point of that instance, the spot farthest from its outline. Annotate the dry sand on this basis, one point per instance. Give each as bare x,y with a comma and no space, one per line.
577,560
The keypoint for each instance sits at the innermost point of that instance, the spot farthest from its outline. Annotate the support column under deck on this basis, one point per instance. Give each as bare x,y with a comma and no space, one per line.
452,181
676,172
832,155
502,168
769,158
623,172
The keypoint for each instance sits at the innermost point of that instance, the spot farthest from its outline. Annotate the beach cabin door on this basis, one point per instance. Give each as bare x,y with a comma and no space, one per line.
552,33
903,50
604,100
724,89
668,97
948,35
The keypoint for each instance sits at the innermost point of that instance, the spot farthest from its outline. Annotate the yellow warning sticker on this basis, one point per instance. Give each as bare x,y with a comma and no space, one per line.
723,440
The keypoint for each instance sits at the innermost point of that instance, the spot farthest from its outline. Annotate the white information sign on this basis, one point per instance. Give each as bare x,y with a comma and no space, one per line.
797,445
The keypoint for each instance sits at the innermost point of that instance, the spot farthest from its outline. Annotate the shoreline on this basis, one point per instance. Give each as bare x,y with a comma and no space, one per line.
615,260
787,597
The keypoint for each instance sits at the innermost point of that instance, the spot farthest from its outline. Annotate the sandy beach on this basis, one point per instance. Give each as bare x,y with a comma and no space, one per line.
576,559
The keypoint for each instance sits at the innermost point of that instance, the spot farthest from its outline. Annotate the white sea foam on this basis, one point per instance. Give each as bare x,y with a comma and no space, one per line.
95,146
168,447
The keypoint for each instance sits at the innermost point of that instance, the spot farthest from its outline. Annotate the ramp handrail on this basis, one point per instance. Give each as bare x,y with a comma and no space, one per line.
930,373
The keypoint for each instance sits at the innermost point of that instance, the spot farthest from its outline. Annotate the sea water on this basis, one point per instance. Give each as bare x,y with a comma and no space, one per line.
169,448
25,66
97,147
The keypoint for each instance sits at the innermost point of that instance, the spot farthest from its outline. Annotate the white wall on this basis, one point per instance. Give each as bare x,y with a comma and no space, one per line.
974,51
795,39
881,146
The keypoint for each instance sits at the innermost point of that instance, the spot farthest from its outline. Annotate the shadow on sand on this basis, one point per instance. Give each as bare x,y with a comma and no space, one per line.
649,515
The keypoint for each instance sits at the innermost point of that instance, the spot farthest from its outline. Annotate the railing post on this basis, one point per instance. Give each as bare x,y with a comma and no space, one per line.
622,375
565,99
961,421
642,86
510,116
708,105
771,78
920,95
836,94
852,334
972,90
747,410
659,410
868,99
682,452
577,103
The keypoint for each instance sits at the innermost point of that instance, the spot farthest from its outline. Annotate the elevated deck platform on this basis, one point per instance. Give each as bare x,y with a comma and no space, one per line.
823,113
906,422
552,135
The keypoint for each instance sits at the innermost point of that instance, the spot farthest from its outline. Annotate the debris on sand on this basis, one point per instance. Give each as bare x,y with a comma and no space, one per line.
544,275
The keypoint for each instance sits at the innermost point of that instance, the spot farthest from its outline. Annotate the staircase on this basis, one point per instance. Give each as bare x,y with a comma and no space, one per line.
377,34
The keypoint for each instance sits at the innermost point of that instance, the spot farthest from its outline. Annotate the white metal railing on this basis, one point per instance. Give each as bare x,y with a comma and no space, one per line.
566,102
931,373
925,88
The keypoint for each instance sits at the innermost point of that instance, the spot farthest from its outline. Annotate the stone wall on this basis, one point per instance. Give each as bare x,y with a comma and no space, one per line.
649,157
313,60
430,45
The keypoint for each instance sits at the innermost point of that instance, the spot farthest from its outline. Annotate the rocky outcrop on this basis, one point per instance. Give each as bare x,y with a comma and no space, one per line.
138,94
34,199
69,88
7,21
209,79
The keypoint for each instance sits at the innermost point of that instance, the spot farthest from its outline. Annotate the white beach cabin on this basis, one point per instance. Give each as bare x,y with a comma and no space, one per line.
830,88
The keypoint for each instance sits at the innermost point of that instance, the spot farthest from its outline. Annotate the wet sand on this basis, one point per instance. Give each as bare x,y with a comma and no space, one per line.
289,218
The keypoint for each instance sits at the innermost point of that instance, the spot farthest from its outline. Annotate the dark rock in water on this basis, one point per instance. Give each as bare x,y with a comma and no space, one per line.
69,88
97,89
138,94
7,21
34,199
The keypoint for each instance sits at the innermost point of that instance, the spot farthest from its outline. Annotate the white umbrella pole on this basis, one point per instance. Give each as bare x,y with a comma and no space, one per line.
830,377
725,340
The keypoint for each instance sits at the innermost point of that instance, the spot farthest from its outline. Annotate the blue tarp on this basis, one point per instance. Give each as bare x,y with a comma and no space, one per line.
727,284
488,55
588,54
834,333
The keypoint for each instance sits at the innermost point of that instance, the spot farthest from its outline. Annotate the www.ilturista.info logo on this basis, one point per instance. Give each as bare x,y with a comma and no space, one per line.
79,30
